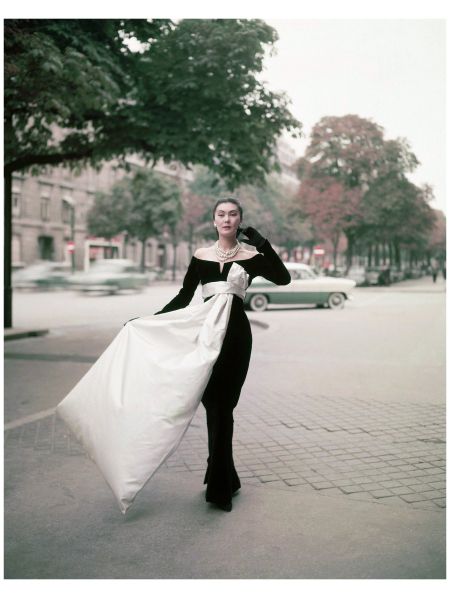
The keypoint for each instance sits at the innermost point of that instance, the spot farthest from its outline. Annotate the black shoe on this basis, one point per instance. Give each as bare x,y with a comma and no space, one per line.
225,506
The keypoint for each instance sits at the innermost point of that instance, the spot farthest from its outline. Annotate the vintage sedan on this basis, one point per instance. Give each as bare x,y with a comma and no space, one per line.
109,276
306,287
42,276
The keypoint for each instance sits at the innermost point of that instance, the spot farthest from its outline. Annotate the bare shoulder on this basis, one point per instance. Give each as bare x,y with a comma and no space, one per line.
204,253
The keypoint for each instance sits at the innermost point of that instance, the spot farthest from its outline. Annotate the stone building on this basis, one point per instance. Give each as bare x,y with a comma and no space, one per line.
49,217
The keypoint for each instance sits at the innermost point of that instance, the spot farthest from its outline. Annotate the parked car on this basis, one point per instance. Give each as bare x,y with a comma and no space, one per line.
305,288
42,275
110,276
358,274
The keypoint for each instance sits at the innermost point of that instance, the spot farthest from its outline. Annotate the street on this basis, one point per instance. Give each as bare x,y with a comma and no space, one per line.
345,405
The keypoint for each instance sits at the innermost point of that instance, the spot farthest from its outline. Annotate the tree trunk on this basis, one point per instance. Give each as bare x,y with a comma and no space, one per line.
398,256
7,248
349,253
377,255
143,249
191,238
174,261
369,253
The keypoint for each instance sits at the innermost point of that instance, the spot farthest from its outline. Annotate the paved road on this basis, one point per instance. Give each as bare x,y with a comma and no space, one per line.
346,404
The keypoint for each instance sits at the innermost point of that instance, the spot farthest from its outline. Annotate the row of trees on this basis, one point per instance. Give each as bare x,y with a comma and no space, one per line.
354,184
148,204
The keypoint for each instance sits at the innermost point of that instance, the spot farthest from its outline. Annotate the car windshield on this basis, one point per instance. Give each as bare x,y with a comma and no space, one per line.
302,274
106,267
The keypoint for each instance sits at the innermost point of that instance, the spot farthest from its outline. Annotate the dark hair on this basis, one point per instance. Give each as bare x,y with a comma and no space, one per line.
228,200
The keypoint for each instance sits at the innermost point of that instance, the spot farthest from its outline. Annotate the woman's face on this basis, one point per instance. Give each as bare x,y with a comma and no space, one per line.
227,219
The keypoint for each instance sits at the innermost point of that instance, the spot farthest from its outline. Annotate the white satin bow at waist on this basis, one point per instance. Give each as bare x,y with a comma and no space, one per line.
222,287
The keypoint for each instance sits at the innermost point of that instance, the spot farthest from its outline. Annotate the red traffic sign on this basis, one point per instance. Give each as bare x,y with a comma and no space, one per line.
70,246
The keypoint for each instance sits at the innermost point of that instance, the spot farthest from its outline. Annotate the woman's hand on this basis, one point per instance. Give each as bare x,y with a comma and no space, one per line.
254,238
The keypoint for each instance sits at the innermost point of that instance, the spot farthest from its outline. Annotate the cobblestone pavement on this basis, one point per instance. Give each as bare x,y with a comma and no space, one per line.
363,449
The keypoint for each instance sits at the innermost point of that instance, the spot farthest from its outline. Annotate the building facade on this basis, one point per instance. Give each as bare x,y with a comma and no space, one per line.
49,215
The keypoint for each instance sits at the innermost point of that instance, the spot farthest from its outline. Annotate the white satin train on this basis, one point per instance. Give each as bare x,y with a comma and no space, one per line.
132,408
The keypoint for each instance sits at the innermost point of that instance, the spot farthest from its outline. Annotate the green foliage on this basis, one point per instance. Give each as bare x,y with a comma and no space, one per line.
156,204
143,204
109,214
75,93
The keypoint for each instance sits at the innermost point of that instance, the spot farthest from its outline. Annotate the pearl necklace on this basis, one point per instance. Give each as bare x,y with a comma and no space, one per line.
225,254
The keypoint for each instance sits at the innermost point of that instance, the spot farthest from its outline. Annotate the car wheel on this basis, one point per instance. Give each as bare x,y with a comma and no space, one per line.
258,303
336,301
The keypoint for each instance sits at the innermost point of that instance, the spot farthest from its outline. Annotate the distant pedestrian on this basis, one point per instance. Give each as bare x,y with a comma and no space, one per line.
434,268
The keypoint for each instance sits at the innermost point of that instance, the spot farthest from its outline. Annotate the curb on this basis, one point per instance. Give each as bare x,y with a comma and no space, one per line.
11,334
258,323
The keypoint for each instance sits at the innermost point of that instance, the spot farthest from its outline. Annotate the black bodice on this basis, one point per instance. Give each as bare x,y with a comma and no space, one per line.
267,264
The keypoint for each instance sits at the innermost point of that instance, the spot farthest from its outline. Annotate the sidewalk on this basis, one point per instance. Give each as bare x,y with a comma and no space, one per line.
62,522
12,334
334,485
417,285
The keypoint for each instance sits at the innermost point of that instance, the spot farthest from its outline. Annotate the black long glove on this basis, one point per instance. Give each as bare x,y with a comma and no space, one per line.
254,238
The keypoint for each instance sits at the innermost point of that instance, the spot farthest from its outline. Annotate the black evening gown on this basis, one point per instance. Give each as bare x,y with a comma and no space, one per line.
230,370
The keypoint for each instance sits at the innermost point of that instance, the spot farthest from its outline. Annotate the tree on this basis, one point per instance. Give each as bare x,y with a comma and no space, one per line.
350,151
109,214
330,207
142,204
75,93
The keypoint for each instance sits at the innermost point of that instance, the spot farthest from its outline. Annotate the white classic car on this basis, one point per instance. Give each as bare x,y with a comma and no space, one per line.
110,276
306,287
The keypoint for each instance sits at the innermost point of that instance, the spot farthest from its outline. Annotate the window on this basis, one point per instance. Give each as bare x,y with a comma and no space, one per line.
16,202
16,196
46,248
45,208
67,209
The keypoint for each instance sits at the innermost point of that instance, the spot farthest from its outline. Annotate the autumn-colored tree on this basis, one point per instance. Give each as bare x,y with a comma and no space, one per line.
346,157
330,207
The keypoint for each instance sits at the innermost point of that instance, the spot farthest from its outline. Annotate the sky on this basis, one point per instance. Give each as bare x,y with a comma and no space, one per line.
384,61
390,71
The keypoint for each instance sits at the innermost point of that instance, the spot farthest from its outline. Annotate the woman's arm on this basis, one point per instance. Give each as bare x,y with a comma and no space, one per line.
271,266
269,263
186,292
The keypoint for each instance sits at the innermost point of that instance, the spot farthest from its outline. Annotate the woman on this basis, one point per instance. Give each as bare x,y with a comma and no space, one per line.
133,406
211,264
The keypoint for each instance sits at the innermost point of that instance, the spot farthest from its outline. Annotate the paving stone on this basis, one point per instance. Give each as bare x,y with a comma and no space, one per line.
431,494
350,489
381,493
268,478
399,490
391,500
296,482
275,484
413,497
361,496
372,486
438,485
